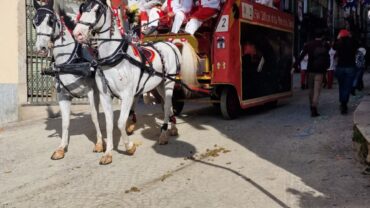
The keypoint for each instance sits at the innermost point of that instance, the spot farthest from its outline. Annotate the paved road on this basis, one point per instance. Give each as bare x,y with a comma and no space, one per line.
267,158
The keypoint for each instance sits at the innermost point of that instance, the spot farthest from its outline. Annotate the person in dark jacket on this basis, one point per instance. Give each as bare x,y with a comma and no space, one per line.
318,63
346,49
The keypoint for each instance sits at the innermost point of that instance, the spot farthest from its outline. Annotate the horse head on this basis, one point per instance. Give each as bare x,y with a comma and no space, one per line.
93,17
44,22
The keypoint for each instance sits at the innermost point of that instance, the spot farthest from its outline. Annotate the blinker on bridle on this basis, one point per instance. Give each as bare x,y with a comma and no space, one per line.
99,13
39,18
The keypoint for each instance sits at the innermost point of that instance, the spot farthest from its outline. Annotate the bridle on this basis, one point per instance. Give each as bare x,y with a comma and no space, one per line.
40,16
99,13
52,22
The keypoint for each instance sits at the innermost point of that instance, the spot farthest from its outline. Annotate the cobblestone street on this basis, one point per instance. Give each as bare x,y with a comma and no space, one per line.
278,157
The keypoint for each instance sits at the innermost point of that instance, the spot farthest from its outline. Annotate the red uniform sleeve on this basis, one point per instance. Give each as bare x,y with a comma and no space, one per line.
169,6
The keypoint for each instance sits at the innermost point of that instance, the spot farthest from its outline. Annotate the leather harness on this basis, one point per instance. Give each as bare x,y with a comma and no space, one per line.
121,54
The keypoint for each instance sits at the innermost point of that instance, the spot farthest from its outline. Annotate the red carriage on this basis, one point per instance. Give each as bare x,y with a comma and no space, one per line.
245,57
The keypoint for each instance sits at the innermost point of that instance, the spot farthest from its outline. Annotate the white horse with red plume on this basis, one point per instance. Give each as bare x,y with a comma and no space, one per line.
53,35
125,73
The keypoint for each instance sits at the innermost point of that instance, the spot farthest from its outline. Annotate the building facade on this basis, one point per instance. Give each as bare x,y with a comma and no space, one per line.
13,89
21,84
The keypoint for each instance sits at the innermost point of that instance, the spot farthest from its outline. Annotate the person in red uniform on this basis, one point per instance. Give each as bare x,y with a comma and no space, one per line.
155,15
205,10
178,10
121,7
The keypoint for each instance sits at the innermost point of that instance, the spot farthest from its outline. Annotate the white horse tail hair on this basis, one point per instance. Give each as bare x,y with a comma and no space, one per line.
189,64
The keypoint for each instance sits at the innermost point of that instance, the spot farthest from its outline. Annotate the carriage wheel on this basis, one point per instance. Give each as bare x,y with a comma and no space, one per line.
178,105
230,106
216,105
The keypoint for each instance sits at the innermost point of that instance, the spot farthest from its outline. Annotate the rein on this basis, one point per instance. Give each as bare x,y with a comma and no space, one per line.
57,70
121,54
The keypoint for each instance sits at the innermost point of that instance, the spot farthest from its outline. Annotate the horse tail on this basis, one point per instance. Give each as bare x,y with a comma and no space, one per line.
189,64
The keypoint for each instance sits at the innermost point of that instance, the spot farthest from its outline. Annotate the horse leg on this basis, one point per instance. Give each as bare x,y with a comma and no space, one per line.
130,127
94,105
168,92
173,130
65,108
106,102
125,106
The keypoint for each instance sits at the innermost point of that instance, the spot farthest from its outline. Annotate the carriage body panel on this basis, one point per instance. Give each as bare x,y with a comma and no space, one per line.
256,23
247,49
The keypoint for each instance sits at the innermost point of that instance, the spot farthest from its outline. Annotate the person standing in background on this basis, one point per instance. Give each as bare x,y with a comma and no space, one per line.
318,62
304,74
331,69
358,82
345,71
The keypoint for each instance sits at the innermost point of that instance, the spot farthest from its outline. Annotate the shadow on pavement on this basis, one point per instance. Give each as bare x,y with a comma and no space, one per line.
302,146
318,151
81,124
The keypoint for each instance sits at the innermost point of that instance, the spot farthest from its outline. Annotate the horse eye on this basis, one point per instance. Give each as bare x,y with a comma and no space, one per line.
50,22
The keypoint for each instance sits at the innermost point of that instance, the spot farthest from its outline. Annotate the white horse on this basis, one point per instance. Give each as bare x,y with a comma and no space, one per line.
52,33
127,77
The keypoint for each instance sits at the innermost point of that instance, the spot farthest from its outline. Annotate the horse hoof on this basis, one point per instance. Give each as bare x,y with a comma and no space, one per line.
163,139
106,159
99,147
58,154
130,128
132,150
174,131
163,142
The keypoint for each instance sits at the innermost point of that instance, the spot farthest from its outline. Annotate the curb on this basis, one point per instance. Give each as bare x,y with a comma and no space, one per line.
361,131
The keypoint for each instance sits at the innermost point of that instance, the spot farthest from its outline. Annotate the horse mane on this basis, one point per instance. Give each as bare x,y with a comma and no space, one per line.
70,24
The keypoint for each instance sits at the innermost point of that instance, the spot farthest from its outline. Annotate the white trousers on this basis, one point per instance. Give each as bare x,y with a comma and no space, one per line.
153,17
177,22
192,26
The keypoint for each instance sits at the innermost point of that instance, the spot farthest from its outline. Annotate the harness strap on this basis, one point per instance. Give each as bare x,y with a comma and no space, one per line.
65,87
121,50
177,57
150,44
108,86
60,46
144,60
150,66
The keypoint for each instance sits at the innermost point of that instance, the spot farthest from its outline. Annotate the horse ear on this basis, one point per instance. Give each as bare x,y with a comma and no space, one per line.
51,4
36,4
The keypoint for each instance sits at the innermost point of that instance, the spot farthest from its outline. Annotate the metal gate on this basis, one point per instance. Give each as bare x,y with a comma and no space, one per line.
41,89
